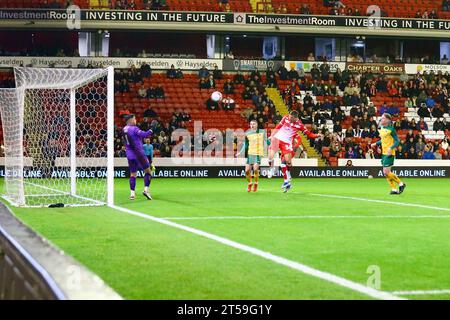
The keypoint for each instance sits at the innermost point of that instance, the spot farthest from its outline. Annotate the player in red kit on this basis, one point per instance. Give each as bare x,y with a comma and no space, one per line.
282,140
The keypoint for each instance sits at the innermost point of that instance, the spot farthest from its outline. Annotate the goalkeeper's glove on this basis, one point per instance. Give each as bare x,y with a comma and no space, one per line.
153,168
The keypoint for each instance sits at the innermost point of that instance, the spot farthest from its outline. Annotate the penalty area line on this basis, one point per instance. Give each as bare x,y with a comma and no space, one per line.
403,204
371,292
305,217
421,292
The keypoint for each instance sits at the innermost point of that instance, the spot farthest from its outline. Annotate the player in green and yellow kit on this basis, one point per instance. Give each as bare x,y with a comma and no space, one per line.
254,148
389,142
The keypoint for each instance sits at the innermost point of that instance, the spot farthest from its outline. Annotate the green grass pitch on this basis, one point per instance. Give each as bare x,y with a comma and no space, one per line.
143,259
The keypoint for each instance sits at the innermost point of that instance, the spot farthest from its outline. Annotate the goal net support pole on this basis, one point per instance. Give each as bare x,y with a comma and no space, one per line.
110,141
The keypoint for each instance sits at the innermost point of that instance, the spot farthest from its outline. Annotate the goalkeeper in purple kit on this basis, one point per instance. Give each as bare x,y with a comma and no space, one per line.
137,160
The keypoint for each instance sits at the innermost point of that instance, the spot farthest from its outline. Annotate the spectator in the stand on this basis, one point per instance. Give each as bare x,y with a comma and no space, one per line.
203,84
446,5
238,78
228,104
393,110
171,73
277,117
247,93
311,57
147,4
445,144
211,83
146,70
371,110
315,72
409,103
150,113
433,15
422,125
430,102
423,111
217,74
283,73
272,81
124,86
437,112
337,127
444,59
292,74
304,9
270,72
228,87
156,5
428,154
159,92
282,9
325,71
246,113
337,115
203,72
179,74
350,154
151,93
301,75
327,105
212,105
142,92
439,125
420,146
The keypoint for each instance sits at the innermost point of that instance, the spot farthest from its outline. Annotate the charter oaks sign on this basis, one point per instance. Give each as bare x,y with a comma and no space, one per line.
155,63
222,18
376,68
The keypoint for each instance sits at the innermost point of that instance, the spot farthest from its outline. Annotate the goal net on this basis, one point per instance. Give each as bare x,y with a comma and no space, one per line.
58,131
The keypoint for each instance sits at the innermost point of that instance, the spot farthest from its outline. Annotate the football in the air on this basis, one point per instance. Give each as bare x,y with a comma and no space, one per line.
216,96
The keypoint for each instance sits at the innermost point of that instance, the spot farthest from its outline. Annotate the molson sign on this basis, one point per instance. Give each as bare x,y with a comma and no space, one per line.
376,67
421,68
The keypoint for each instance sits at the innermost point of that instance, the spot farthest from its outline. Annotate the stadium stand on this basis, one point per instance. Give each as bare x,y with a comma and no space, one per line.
348,130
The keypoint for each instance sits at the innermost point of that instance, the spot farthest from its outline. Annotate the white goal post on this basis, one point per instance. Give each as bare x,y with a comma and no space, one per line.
58,136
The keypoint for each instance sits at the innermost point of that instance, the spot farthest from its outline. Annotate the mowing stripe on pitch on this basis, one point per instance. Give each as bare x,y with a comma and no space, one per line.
421,292
403,204
268,256
305,217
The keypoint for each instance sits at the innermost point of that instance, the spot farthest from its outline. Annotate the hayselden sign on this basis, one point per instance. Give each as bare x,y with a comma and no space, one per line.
120,63
222,18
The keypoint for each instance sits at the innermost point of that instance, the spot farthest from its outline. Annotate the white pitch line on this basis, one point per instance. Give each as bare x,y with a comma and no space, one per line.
305,217
381,201
378,294
421,292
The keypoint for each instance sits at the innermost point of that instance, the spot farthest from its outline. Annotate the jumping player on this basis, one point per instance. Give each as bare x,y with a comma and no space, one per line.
389,142
136,156
254,146
282,139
